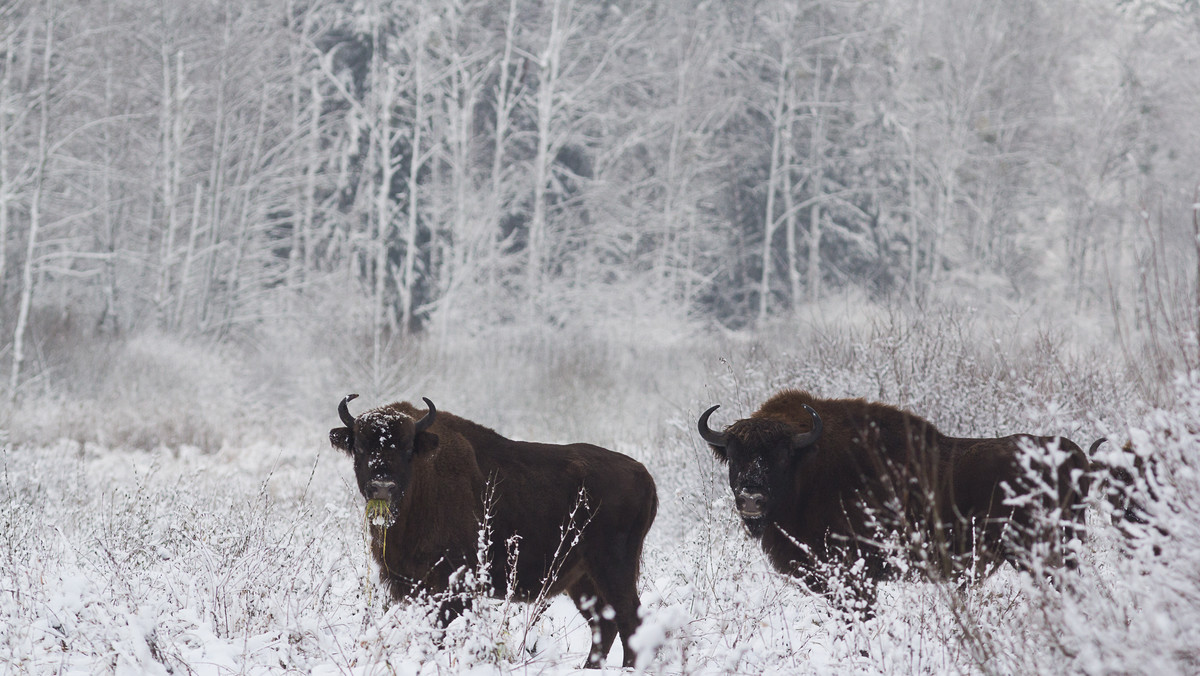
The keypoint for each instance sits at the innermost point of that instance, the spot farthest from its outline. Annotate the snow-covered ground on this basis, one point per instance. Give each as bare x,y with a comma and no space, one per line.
251,558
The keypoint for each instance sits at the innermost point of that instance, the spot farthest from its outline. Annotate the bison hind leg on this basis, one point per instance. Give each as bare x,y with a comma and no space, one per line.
594,608
617,584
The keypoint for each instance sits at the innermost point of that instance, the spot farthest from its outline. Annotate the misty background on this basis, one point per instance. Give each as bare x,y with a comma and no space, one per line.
218,217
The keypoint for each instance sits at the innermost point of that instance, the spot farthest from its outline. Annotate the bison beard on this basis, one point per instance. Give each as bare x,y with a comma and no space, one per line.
579,513
826,485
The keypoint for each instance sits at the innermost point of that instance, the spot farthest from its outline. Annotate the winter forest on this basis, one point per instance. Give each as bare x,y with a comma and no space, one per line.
573,220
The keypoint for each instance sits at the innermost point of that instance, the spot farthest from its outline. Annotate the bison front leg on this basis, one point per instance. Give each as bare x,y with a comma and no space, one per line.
450,609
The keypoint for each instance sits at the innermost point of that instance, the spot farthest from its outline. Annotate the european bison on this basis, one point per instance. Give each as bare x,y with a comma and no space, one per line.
824,483
571,518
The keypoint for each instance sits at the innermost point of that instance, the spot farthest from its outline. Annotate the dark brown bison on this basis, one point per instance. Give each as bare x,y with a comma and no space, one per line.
561,518
827,484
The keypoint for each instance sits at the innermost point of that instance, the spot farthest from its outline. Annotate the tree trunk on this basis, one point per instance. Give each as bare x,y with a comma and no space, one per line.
248,190
470,235
306,125
216,187
107,237
547,86
914,232
5,185
789,210
817,151
673,186
414,169
505,102
383,90
764,289
35,217
172,131
1196,244
188,256
312,167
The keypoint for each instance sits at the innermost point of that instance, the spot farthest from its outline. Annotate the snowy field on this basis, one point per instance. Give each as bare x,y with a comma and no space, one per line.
248,555
579,222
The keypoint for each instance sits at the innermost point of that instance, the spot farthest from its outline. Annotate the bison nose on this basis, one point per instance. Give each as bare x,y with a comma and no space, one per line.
380,489
751,504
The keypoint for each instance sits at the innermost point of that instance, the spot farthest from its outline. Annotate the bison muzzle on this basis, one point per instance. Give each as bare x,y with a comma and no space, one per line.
560,518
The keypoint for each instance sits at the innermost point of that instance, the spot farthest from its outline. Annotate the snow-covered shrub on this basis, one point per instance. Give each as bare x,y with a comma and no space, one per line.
150,391
249,556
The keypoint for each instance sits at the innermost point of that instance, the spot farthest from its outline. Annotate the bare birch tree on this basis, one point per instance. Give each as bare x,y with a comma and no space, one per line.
780,117
417,156
6,101
508,94
174,96
549,61
306,134
40,178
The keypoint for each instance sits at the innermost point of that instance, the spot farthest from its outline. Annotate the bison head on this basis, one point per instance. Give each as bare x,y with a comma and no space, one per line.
761,455
383,442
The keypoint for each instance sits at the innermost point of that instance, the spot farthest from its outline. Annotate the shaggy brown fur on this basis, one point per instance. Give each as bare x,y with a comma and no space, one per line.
447,477
876,471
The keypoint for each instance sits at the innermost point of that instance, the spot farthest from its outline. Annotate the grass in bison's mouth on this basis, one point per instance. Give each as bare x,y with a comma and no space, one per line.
379,513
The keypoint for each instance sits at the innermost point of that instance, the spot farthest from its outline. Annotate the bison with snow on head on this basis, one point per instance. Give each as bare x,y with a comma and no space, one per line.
870,490
558,519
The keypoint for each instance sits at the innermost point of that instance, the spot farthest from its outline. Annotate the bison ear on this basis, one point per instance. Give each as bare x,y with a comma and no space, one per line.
342,439
425,442
719,453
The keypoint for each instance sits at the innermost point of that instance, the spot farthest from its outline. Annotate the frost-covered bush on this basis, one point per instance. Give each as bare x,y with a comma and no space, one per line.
125,551
127,561
147,392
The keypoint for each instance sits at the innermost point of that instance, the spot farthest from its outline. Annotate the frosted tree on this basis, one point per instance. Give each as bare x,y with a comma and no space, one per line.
7,101
655,185
549,138
171,132
39,178
201,163
971,112
781,119
306,102
464,250
807,67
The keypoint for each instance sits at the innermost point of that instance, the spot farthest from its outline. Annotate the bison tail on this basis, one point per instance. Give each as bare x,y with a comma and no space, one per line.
651,514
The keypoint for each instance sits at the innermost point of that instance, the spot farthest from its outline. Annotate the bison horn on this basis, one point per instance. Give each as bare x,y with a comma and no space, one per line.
344,411
424,423
718,439
809,438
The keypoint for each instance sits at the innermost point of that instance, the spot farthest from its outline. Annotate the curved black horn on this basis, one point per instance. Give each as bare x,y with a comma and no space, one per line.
718,439
1095,445
809,438
424,423
344,411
